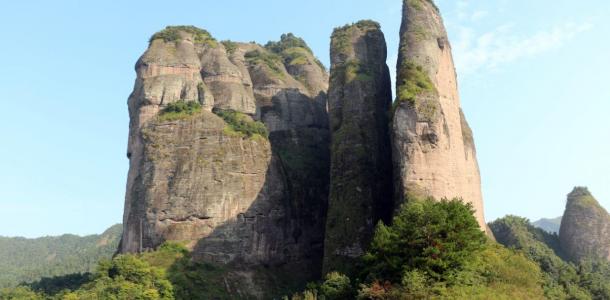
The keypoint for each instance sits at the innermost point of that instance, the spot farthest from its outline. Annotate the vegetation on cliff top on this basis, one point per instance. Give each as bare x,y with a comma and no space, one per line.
270,60
173,34
179,110
418,4
242,124
230,46
293,50
341,36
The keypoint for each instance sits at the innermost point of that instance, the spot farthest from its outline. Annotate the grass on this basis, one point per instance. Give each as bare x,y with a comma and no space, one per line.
295,56
239,124
270,60
230,46
415,82
341,36
172,34
179,110
350,71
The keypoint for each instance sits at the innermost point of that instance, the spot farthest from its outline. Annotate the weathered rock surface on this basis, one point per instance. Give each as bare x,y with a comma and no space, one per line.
237,200
585,227
360,98
433,147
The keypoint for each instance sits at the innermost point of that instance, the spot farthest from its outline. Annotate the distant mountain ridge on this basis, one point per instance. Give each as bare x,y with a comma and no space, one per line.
549,225
27,260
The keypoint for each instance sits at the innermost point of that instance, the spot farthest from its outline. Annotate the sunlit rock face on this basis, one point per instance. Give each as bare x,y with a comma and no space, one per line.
585,227
433,146
238,200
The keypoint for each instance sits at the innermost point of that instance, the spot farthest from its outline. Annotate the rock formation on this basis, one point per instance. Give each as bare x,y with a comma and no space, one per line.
585,227
360,98
432,145
235,199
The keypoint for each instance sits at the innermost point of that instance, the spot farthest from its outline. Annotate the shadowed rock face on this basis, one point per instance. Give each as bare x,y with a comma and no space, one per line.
360,97
237,200
433,147
585,227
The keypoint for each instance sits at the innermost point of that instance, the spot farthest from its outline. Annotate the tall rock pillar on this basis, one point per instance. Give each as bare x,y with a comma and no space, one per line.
361,182
433,147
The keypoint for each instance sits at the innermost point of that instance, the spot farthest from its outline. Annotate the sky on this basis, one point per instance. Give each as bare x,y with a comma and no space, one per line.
533,81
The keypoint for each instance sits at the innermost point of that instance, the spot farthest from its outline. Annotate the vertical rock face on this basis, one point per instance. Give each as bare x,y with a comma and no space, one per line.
237,200
433,147
360,98
585,227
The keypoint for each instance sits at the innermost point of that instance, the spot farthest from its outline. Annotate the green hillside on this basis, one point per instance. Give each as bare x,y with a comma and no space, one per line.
27,260
562,279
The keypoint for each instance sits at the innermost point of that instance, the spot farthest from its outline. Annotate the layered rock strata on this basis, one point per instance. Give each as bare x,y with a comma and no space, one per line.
585,228
360,98
433,146
233,198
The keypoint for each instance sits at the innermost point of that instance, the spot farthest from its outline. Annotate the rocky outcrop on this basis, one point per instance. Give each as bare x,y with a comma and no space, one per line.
585,227
238,200
360,98
433,147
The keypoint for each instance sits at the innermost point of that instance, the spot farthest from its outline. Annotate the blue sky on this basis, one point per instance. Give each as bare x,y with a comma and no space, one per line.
533,80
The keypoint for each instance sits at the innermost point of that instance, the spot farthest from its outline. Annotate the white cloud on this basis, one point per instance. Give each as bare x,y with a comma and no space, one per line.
492,49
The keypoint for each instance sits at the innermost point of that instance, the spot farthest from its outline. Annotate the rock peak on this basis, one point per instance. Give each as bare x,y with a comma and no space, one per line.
578,192
361,174
585,227
433,146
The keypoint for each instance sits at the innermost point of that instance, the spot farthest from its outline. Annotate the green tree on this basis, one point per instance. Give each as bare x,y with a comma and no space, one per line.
438,238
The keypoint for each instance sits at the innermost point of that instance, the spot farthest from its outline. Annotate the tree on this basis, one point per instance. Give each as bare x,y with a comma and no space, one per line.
438,239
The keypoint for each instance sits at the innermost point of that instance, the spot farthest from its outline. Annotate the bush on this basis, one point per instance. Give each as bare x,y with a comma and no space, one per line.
241,124
179,110
172,34
287,41
436,238
272,61
230,46
336,286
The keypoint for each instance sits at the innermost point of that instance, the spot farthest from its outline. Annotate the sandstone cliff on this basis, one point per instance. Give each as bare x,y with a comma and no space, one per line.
433,147
360,98
585,227
236,199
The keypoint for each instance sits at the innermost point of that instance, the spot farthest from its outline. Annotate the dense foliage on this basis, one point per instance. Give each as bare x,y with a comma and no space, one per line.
293,50
179,110
269,60
434,250
27,260
168,273
562,280
287,41
172,34
241,124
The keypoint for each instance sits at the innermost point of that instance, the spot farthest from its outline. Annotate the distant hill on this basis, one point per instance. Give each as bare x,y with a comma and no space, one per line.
27,260
548,225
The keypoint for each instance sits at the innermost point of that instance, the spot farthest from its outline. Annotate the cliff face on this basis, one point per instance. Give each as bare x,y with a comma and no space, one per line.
433,147
585,227
361,173
234,198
